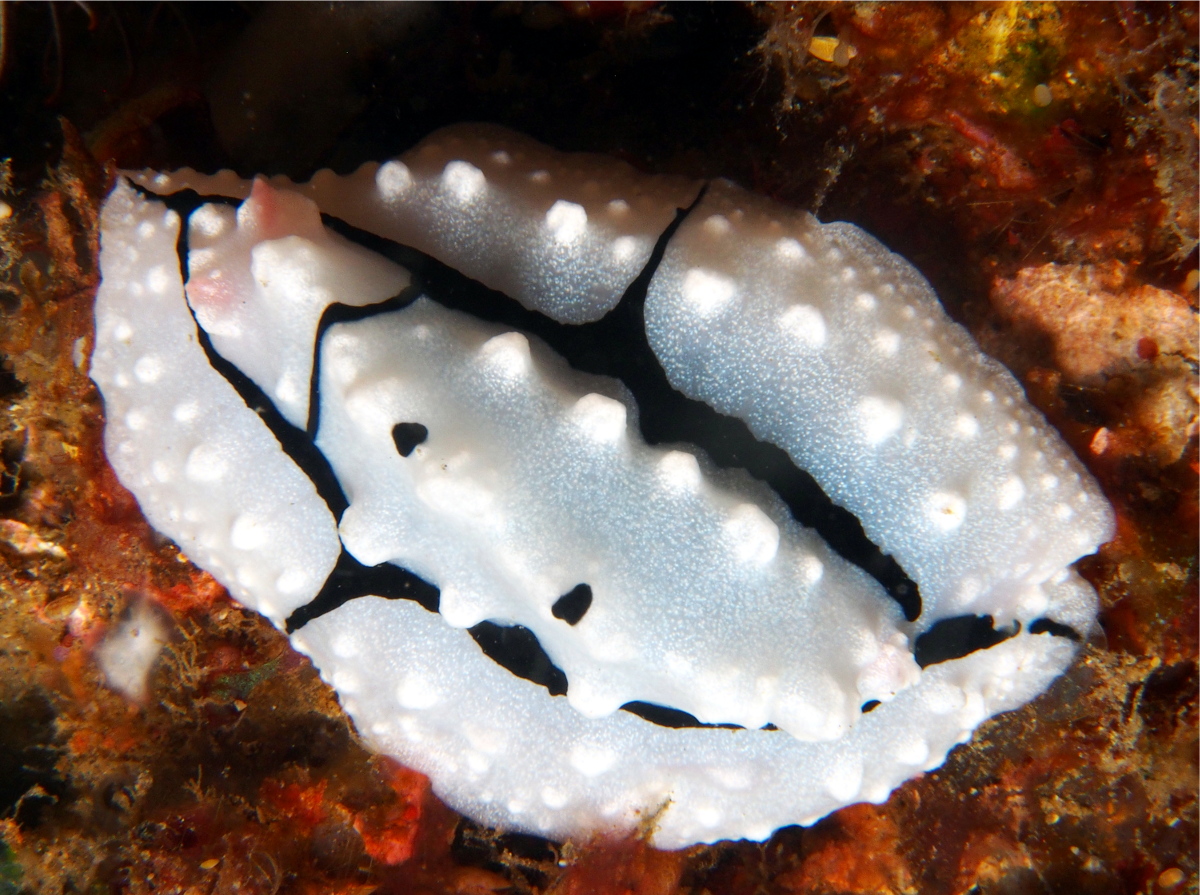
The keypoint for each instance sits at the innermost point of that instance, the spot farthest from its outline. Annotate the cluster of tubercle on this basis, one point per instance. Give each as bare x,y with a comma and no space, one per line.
474,457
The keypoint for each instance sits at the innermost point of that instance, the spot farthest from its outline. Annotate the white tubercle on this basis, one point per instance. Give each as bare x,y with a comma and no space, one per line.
888,403
503,752
205,469
562,233
531,481
260,278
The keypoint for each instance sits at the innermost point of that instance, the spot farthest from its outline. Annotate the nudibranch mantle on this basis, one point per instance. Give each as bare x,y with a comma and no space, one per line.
473,456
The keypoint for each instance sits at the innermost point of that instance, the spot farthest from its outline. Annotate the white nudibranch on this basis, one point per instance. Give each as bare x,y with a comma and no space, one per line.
520,491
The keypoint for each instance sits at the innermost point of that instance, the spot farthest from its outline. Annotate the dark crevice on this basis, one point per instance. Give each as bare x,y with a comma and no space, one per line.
572,606
617,346
664,716
350,579
1056,629
340,313
953,638
10,385
12,479
516,648
614,346
502,853
869,706
30,750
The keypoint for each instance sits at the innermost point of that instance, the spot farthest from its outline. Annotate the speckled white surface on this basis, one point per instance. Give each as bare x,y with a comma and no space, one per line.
260,278
503,752
205,469
566,233
531,480
887,402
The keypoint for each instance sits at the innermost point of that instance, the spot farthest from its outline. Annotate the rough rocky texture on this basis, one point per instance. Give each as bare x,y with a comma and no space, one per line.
1112,323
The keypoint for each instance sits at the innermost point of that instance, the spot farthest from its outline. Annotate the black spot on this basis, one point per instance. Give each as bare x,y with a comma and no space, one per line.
869,705
574,604
953,638
407,436
1057,629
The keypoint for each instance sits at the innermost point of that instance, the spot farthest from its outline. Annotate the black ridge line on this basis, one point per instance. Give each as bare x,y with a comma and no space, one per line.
343,313
617,346
295,442
515,647
665,716
465,294
349,578
183,202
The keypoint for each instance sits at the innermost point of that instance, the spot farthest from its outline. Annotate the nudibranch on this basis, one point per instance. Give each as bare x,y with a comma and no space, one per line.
311,414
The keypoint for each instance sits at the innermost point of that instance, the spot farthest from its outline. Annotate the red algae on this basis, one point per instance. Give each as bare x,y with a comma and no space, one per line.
621,867
389,832
851,851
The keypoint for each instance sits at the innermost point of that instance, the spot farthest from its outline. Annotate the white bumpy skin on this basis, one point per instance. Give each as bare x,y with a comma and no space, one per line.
888,403
503,752
566,232
204,467
532,480
257,291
